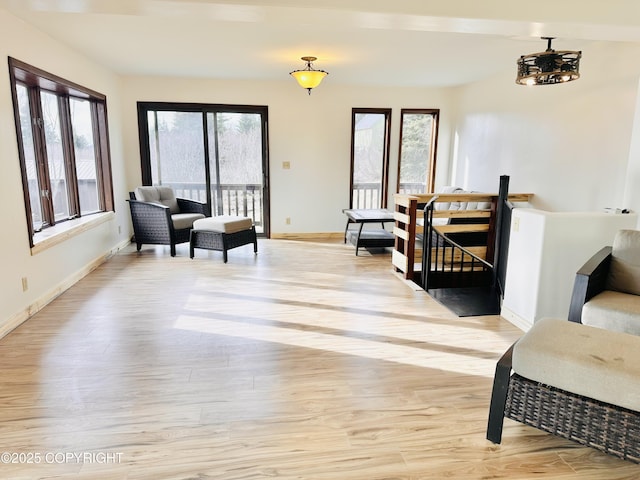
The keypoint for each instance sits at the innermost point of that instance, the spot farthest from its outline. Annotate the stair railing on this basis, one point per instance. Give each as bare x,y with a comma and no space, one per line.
446,263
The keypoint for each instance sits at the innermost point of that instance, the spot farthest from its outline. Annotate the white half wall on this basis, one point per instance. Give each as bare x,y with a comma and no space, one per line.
546,249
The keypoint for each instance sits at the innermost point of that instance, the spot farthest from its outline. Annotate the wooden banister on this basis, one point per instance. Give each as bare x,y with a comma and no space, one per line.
408,215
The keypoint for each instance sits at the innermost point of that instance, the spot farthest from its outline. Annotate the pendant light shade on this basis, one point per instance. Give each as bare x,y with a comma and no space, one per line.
548,67
309,77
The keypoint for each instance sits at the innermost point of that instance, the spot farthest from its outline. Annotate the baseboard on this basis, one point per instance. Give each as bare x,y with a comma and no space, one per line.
308,236
409,283
515,319
19,318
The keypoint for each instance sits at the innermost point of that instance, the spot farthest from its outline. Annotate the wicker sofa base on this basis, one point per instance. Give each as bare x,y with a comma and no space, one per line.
608,428
222,242
603,426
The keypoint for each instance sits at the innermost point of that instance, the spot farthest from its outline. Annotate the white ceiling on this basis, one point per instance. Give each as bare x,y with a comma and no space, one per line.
364,42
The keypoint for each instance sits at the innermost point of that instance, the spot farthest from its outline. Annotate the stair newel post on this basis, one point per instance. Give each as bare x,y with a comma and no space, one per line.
500,250
427,242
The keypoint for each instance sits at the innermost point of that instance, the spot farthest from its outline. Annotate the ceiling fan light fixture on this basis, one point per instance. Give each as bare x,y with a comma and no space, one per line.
549,67
309,77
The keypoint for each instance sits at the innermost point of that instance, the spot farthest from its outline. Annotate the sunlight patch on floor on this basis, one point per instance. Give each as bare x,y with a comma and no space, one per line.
335,343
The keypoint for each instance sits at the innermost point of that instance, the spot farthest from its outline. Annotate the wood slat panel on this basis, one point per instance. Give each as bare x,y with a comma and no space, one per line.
461,213
401,217
403,234
460,197
399,261
462,228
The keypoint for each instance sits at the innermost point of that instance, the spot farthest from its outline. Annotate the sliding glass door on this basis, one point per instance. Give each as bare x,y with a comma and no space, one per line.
211,153
236,164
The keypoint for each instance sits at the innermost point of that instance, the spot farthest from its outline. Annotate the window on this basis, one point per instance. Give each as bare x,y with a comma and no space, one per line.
369,157
62,145
418,142
211,153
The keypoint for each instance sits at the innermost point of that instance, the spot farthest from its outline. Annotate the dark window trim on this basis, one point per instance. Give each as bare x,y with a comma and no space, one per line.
431,172
386,152
31,75
37,80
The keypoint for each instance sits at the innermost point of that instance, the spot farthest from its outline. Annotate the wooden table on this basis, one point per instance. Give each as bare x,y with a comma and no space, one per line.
369,238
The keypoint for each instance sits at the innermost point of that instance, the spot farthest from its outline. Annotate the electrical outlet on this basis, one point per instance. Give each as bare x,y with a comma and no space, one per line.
119,229
286,165
516,224
25,284
287,220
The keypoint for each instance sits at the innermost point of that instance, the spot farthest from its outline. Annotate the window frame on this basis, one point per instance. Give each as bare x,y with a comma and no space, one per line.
36,81
384,194
431,166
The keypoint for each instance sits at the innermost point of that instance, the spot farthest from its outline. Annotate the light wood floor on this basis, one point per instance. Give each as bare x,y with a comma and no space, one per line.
304,362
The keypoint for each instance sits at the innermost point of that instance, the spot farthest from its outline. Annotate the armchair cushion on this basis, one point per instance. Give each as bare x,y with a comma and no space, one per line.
161,195
616,311
624,272
185,220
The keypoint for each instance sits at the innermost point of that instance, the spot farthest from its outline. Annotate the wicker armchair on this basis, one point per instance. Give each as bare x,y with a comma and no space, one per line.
162,219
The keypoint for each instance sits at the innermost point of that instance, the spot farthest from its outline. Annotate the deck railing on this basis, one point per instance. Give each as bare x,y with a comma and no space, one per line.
229,199
368,195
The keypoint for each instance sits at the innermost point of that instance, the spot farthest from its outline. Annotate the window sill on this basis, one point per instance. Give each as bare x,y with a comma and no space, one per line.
59,233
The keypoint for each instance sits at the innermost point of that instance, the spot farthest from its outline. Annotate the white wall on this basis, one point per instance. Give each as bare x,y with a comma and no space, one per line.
546,249
631,190
568,144
52,269
313,133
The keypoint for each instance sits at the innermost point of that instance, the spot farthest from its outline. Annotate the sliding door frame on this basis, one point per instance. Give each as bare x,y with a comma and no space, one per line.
205,108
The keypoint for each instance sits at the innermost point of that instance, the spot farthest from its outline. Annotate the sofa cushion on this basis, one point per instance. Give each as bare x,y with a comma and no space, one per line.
224,224
185,220
460,205
160,195
449,205
589,361
624,272
613,310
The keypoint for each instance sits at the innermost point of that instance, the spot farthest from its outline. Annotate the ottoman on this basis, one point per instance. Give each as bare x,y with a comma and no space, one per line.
222,233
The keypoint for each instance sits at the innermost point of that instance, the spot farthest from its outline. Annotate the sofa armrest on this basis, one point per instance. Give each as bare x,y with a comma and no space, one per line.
192,206
590,280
